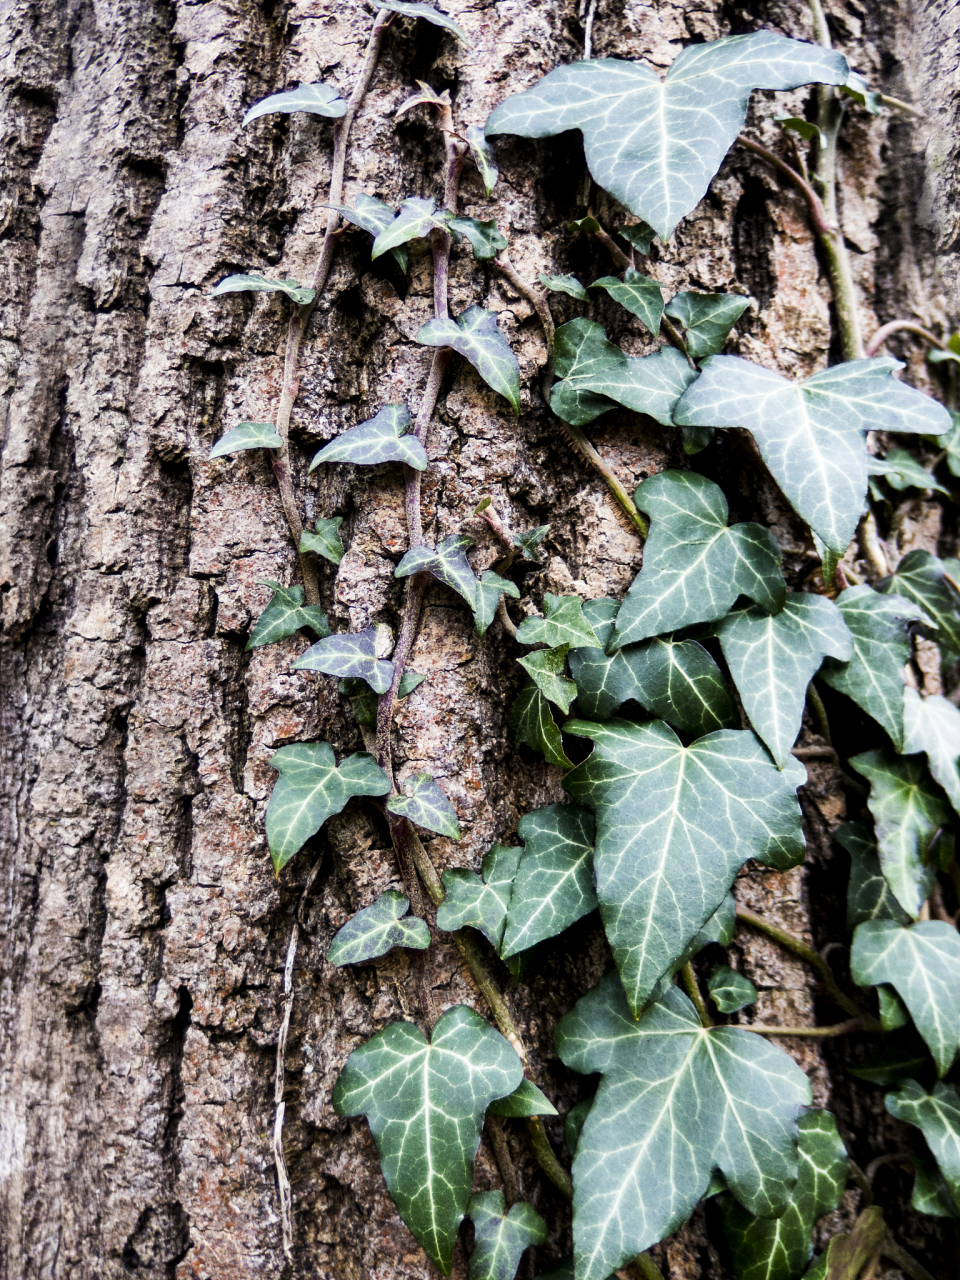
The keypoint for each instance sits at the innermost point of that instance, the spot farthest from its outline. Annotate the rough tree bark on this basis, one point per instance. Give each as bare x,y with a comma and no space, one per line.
143,932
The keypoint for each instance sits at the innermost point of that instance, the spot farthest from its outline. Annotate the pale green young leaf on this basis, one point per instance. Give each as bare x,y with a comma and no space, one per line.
694,565
730,990
326,541
415,10
922,964
869,897
532,722
417,218
425,96
425,1105
447,562
604,681
483,157
351,653
773,658
427,806
920,578
526,1100
528,541
811,434
656,144
894,1014
490,588
553,886
678,681
805,128
545,668
311,789
382,438
588,225
285,615
564,284
859,90
484,238
639,235
480,903
563,623
248,435
640,295
937,1116
475,336
674,826
377,929
707,319
902,471
675,1102
319,99
501,1237
253,282
909,813
932,725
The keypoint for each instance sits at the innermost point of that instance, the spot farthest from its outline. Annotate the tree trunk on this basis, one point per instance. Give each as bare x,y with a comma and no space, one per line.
144,934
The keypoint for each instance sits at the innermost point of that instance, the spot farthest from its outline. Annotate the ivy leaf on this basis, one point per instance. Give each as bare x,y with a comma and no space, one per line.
694,565
637,129
373,216
772,660
248,435
869,897
640,295
873,677
604,681
481,904
730,990
415,220
720,928
490,588
908,813
311,789
780,1248
475,336
483,157
805,128
639,235
675,1102
526,1100
932,725
565,284
426,11
678,681
256,283
527,542
563,623
811,435
937,1116
902,471
922,964
326,541
378,929
553,885
447,562
425,1105
319,99
352,653
931,1195
483,237
501,1237
707,319
425,97
427,806
857,88
285,615
674,826
379,439
532,722
545,668
921,577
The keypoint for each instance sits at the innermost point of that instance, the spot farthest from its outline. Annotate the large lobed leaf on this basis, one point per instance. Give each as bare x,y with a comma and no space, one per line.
377,929
382,438
563,623
475,336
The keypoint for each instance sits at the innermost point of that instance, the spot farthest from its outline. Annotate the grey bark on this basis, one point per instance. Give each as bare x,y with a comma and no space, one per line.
143,933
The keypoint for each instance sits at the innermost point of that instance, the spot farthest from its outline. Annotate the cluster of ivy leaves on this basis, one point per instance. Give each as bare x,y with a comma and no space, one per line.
681,787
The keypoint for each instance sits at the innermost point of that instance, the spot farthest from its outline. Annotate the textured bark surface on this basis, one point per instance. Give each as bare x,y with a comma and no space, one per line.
143,933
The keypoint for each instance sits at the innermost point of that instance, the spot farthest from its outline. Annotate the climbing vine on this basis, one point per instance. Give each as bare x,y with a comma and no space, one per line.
691,691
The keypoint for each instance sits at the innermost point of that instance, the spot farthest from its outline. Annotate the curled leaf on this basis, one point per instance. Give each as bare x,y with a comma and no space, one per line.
255,283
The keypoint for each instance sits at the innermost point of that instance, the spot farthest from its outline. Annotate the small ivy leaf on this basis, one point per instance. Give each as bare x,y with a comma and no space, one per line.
350,653
285,615
640,295
378,929
447,562
857,88
902,471
564,284
909,814
318,98
563,623
694,565
429,13
255,283
920,577
661,869
931,1195
483,157
425,1105
553,884
483,237
730,990
594,374
720,928
901,1058
707,319
604,681
873,677
714,1098
379,439
415,220
937,1116
637,129
805,128
932,725
325,541
481,904
893,1012
475,336
811,435
678,681
489,590
528,542
427,806
425,97
501,1237
373,216
311,789
532,722
772,660
639,235
527,1100
780,1248
588,225
922,964
869,897
409,681
545,668
248,435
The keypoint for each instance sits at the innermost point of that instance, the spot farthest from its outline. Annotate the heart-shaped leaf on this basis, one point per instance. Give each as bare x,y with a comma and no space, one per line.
639,130
678,681
694,566
563,623
730,990
811,434
527,1100
932,725
676,1101
447,562
484,238
255,283
707,319
532,722
640,295
869,897
325,541
351,653
902,471
417,218
311,789
425,1105
489,590
921,578
565,284
413,10
553,884
318,98
285,615
674,826
248,435
427,806
475,336
639,235
501,1237
379,439
483,157
937,1116
378,929
545,668
481,904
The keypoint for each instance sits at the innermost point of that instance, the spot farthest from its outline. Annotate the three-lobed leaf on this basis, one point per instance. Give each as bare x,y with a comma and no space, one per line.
707,319
501,1237
545,668
247,435
253,282
475,336
447,562
318,98
484,238
383,438
553,883
324,539
353,654
285,615
480,903
427,806
562,623
640,295
490,587
377,929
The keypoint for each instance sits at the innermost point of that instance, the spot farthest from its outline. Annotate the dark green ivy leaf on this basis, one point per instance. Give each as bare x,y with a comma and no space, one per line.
902,471
857,88
720,928
532,722
526,1100
382,438
352,653
640,295
256,283
427,806
414,10
373,216
869,897
805,128
565,284
920,578
378,929
286,614
932,725
553,884
481,904
707,319
545,668
484,238
604,681
475,336
248,435
931,1195
447,562
563,623
490,588
501,1237
528,541
730,990
937,1116
318,98
678,681
639,235
483,157
325,541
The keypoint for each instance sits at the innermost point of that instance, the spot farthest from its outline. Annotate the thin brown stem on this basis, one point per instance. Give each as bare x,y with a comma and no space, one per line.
693,991
810,1033
815,703
508,624
898,104
904,1260
587,451
813,200
902,326
538,301
496,1132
